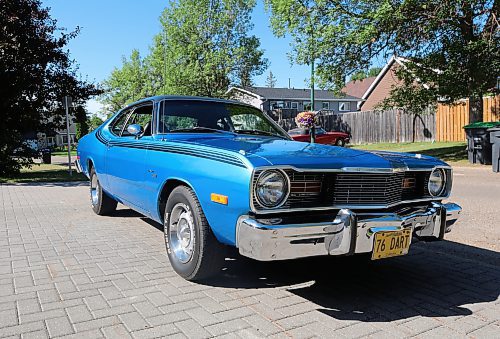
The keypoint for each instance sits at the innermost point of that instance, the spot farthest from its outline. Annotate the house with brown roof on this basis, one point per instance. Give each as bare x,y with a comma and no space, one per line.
358,88
374,90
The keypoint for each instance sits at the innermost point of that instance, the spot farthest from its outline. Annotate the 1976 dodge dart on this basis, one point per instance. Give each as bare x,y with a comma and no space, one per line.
218,173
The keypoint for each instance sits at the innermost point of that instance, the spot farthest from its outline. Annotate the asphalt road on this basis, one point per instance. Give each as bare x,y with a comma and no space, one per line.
477,190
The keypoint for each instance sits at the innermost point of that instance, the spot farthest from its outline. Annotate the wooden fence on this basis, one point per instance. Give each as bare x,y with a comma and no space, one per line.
451,118
377,126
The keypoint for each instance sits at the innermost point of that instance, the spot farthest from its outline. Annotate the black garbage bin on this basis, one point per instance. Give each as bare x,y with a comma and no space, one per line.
46,156
478,142
495,147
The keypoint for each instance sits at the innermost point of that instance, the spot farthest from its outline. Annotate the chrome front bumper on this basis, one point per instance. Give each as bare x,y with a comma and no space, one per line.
348,233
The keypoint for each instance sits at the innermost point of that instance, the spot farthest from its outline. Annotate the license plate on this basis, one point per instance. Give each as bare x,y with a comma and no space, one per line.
391,243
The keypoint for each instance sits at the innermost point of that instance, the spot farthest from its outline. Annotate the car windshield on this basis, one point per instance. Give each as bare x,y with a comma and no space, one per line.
190,116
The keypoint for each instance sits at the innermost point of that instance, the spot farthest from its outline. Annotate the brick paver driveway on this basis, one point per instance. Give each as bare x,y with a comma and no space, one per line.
65,271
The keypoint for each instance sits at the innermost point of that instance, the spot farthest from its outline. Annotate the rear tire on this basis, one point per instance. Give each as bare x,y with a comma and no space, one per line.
194,252
340,142
101,203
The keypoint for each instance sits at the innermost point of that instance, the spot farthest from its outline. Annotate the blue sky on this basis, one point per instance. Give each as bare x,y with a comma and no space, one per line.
110,29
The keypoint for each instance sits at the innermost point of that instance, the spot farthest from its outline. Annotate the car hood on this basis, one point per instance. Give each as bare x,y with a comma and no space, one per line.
265,151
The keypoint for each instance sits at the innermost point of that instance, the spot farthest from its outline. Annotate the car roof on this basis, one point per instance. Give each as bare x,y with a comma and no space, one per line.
158,98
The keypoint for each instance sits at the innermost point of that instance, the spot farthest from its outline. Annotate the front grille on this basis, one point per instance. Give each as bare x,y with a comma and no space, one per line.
324,189
367,189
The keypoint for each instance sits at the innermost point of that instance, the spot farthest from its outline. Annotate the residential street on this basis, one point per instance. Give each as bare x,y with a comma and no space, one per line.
65,271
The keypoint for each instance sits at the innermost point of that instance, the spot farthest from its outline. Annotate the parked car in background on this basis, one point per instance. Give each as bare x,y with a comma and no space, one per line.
219,173
322,136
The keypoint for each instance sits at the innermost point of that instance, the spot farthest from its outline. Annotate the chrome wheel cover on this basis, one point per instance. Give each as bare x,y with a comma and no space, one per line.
94,190
181,232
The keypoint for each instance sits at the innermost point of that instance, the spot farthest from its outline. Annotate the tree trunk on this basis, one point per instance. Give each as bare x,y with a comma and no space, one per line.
475,109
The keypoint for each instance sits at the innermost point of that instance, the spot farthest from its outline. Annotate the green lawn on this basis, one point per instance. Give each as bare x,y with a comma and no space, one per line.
453,152
44,173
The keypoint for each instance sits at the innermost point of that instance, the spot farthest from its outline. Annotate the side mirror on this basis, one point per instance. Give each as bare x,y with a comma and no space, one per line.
135,130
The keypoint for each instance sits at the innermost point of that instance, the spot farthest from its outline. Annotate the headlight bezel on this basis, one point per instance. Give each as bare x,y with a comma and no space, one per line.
444,184
287,186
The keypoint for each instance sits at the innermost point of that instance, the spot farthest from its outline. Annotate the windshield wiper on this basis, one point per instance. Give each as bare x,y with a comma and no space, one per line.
258,132
200,130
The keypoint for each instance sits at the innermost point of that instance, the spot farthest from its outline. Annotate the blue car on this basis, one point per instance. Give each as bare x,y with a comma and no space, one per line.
218,173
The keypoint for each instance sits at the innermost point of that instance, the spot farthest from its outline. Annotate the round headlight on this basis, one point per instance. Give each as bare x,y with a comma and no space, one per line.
271,188
437,182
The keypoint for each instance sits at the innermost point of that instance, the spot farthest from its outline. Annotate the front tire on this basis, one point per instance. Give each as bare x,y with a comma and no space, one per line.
340,142
101,203
193,251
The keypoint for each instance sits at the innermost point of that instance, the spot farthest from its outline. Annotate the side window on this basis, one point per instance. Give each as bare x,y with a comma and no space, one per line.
119,123
143,116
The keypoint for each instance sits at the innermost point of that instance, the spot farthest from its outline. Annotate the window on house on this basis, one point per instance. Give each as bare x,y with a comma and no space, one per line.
294,105
65,139
325,105
307,105
344,106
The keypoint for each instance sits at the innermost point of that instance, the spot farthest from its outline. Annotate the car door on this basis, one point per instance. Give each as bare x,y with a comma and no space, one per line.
126,155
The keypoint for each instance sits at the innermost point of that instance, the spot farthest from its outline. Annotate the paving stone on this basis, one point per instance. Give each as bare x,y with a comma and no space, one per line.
227,327
96,302
192,329
157,331
357,330
264,326
28,306
168,318
488,331
92,334
22,328
147,309
59,326
133,321
96,323
203,317
41,334
78,313
8,317
116,331
27,318
106,312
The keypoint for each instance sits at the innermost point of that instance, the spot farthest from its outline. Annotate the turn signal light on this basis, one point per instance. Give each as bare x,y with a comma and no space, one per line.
219,198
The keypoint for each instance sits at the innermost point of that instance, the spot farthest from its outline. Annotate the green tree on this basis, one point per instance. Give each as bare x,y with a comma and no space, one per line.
36,72
372,72
204,47
82,128
452,45
94,122
126,84
271,80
